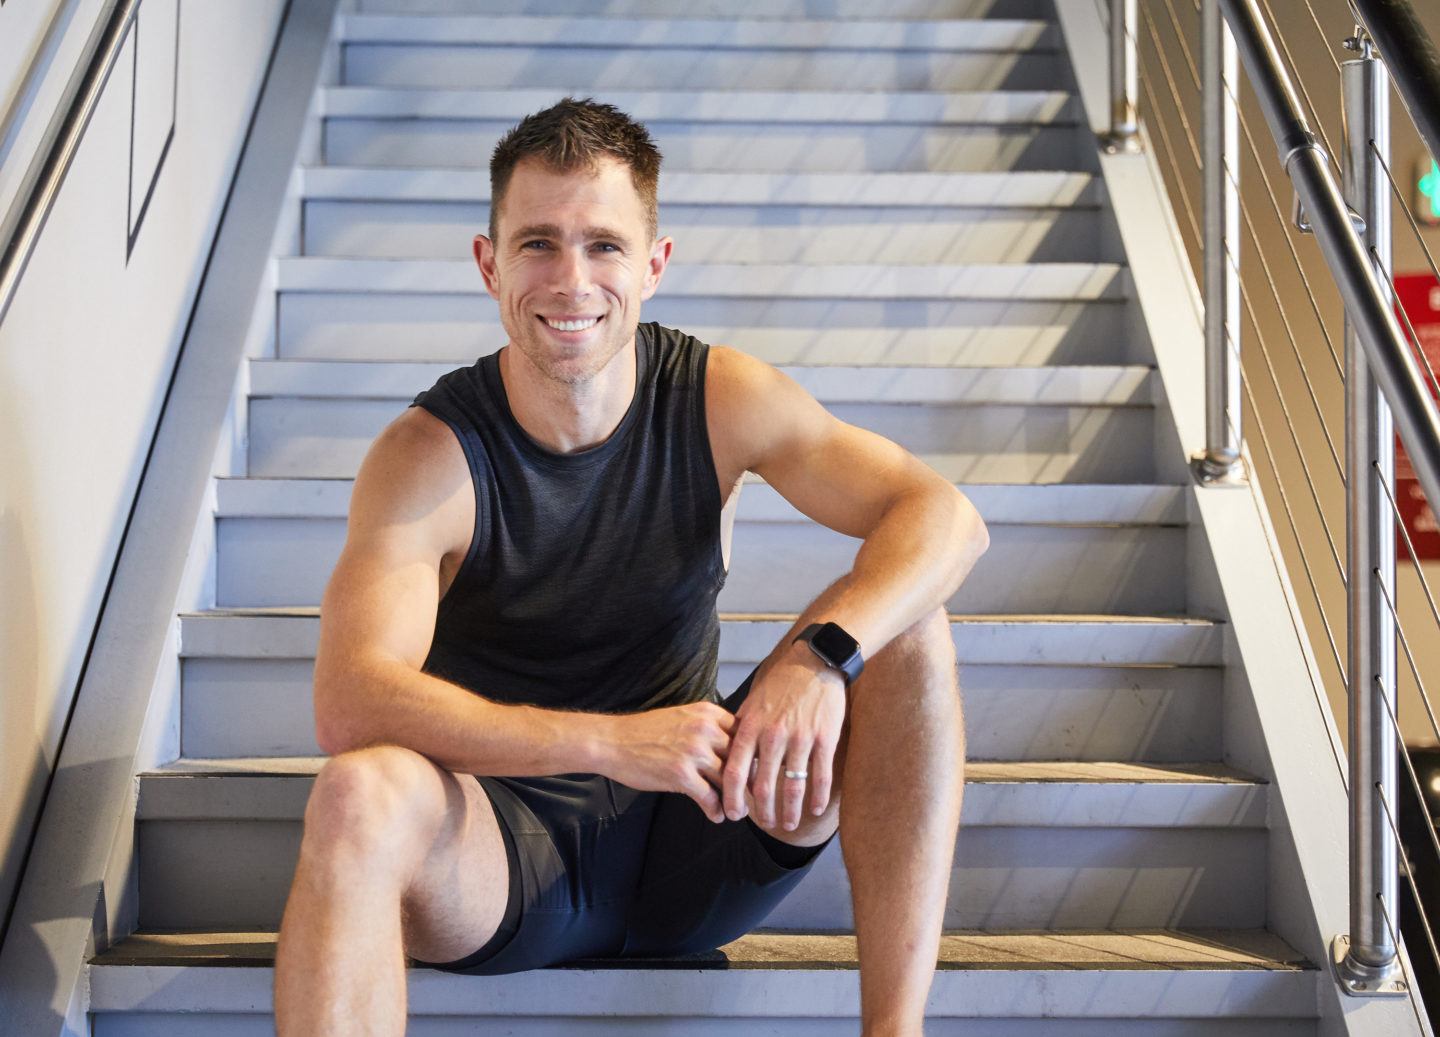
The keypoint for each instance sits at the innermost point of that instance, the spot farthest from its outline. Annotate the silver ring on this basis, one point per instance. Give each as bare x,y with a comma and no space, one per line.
797,774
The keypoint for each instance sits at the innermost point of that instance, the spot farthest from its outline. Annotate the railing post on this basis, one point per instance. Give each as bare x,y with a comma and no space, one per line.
1124,135
1220,462
1367,962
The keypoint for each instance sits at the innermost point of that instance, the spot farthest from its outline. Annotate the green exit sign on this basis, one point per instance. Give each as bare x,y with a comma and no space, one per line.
1427,192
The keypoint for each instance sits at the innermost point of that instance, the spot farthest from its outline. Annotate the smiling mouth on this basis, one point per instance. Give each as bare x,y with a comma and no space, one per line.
575,324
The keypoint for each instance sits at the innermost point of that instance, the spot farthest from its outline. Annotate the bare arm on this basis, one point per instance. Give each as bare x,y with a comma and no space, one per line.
412,505
921,539
921,535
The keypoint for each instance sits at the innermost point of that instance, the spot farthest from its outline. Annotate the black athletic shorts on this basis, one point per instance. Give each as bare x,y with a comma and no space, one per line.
601,870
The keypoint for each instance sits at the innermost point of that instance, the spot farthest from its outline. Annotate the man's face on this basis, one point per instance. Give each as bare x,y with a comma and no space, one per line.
572,264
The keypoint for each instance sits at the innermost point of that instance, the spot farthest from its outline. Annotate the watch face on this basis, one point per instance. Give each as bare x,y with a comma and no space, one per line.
834,643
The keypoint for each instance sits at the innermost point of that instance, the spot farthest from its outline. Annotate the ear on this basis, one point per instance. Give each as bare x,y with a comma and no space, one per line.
659,257
484,250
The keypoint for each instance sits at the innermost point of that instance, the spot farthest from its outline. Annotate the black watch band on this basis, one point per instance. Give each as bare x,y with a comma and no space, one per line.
835,647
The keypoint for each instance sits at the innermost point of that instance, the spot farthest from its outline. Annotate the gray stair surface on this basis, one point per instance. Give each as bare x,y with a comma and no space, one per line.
1236,983
898,205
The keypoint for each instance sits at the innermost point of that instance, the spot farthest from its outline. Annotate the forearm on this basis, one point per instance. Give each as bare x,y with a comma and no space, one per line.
914,559
393,703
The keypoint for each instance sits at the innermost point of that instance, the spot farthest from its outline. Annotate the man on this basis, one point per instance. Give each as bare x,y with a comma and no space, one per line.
516,669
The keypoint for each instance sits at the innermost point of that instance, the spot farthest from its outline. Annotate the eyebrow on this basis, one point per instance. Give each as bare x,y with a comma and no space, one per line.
550,230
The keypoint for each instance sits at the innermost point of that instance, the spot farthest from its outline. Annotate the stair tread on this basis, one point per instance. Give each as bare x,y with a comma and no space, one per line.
1015,108
931,34
1025,188
951,385
976,771
775,617
951,281
1059,505
1119,949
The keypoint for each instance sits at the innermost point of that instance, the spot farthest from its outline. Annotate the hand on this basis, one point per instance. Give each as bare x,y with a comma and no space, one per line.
674,749
793,715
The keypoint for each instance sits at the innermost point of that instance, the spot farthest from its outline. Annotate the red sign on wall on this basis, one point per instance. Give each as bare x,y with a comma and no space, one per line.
1419,296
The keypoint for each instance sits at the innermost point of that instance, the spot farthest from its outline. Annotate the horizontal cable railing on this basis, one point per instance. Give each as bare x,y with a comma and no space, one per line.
1323,417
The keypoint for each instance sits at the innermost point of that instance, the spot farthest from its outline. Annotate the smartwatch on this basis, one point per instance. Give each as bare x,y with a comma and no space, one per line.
836,649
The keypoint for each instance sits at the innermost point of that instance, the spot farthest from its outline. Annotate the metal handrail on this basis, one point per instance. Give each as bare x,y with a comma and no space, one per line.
1410,57
21,228
1383,383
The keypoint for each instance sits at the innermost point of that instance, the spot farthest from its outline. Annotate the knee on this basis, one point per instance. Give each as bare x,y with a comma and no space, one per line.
927,641
363,798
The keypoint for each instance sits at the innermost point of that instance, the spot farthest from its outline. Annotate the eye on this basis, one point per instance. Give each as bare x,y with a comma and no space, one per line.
607,246
535,244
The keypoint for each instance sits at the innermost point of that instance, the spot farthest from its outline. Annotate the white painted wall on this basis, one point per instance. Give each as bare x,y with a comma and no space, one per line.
87,349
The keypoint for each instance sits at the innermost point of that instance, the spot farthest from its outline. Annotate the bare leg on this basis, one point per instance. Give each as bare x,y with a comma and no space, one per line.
387,834
904,779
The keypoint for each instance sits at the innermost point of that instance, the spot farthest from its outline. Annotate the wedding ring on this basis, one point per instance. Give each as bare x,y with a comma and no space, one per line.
797,774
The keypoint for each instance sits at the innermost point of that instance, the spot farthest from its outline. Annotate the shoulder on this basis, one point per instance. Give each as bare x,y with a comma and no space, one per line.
754,409
415,478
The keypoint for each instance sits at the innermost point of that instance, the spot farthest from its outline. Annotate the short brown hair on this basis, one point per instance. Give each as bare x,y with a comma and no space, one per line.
575,135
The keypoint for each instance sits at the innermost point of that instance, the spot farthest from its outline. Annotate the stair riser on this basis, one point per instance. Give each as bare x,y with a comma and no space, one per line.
264,707
1020,878
740,234
152,1024
783,566
397,326
328,438
863,9
734,147
590,69
1066,642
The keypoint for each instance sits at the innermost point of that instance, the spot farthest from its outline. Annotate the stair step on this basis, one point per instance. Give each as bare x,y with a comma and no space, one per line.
757,147
704,107
1045,189
734,61
779,10
291,632
1054,794
964,442
339,324
1120,982
1069,281
713,34
238,707
743,234
1057,504
1092,385
1042,845
781,560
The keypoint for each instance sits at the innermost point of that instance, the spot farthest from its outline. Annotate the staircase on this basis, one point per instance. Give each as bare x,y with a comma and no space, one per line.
905,215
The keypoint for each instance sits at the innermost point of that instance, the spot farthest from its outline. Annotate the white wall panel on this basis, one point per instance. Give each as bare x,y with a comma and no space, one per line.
87,349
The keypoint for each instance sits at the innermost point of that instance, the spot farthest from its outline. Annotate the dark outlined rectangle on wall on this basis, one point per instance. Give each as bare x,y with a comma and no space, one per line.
154,97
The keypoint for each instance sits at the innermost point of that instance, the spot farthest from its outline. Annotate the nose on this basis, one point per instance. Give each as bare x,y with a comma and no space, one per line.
571,274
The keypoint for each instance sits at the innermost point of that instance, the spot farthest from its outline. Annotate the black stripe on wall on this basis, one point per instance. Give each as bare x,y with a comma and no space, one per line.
134,221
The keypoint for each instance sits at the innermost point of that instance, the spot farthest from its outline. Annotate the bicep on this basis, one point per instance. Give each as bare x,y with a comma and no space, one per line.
382,598
842,476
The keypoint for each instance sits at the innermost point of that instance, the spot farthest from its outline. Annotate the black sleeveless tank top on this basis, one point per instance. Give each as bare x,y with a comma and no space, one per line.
591,577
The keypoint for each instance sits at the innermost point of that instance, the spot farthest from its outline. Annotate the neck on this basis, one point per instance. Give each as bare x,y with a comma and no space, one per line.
567,417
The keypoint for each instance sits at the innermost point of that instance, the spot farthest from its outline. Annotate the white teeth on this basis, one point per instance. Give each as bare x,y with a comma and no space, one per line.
572,325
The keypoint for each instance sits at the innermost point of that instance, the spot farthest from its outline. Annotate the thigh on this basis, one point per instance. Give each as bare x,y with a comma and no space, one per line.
458,897
705,884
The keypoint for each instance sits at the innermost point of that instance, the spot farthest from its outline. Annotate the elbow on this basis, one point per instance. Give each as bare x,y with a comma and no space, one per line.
334,731
971,530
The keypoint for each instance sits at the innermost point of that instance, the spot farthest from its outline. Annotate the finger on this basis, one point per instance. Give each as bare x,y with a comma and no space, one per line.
765,786
703,793
822,761
737,773
792,790
725,719
713,771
